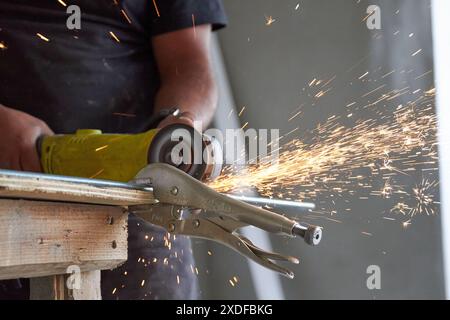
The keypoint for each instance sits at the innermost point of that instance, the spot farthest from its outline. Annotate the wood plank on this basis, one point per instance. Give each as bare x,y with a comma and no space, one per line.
45,238
48,288
21,185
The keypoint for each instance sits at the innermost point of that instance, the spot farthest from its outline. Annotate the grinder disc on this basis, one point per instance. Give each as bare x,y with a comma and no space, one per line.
172,142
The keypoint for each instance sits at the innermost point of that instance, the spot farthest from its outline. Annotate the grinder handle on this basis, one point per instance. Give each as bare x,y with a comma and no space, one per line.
92,154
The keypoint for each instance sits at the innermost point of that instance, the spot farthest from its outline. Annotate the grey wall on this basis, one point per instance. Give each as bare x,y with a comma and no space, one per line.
268,67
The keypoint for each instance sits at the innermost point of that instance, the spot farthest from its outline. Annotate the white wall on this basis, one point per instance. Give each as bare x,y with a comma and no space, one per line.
441,39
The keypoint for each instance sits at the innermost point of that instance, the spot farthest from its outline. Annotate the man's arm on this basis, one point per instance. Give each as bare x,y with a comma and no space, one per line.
187,79
18,134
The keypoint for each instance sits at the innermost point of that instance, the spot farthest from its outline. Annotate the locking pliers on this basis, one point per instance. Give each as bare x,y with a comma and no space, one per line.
188,207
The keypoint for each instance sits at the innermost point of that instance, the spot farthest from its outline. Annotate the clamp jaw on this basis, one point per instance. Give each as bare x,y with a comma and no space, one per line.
188,207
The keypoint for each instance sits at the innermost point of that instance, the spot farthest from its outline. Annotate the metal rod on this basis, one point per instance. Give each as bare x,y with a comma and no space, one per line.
274,202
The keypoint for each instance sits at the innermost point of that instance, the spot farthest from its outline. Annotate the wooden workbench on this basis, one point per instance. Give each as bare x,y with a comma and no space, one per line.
61,233
49,241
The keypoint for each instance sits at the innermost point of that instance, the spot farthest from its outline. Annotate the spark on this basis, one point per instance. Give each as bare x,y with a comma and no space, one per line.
241,112
62,3
269,20
431,92
368,15
114,36
97,174
416,53
125,16
357,63
321,93
128,115
3,46
374,90
387,190
326,159
295,115
42,37
424,198
423,75
155,5
143,283
401,208
362,76
101,148
328,82
387,74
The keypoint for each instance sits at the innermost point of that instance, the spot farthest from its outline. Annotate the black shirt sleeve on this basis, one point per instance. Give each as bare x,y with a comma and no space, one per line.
172,15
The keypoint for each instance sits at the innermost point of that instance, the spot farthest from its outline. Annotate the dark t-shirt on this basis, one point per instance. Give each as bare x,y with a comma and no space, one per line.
86,78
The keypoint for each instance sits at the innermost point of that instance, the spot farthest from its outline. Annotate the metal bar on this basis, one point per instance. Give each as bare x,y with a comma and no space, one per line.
274,202
44,185
19,185
56,178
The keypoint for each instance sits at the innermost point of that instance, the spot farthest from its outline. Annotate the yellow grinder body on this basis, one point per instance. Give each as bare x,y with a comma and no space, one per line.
119,157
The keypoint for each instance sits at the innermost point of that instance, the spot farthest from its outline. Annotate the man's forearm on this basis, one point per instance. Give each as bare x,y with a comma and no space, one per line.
187,79
193,92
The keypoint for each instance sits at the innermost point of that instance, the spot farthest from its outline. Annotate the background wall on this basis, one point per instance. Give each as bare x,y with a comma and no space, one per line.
269,68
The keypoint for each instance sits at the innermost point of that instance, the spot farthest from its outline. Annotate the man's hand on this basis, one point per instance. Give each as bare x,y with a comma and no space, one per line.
18,135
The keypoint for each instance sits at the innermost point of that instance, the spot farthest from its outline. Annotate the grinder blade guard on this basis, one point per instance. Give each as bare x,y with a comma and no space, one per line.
182,146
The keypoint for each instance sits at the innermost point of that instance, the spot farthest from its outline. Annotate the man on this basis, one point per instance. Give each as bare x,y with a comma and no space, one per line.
129,60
